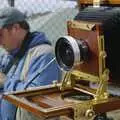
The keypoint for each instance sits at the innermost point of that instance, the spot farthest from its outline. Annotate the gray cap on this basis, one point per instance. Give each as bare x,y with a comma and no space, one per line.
10,15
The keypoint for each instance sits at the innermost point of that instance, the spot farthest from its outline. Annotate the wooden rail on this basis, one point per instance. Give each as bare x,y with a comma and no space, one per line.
103,2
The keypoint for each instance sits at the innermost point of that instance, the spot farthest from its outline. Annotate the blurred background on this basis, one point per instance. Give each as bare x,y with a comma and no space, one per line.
49,16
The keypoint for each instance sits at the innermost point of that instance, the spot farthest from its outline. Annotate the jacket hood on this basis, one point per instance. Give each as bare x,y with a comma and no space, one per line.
32,39
38,38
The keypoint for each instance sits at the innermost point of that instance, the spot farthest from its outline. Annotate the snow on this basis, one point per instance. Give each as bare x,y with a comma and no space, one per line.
31,7
4,3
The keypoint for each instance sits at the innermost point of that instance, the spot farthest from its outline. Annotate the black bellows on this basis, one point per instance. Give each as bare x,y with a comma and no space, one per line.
110,18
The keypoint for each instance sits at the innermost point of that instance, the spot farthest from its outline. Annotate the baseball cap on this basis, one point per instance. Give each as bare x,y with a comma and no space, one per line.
10,15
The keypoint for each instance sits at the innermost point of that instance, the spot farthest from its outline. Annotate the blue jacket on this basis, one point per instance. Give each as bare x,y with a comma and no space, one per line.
37,63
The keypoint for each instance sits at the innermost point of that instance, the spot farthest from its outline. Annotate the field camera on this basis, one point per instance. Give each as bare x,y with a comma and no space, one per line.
88,54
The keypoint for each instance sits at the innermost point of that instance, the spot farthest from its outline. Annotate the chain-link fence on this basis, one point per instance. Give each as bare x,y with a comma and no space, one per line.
47,16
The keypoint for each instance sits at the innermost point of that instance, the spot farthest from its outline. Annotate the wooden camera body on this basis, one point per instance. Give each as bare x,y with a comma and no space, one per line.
91,33
73,97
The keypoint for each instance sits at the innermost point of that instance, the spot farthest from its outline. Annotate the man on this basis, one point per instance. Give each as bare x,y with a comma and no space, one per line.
29,53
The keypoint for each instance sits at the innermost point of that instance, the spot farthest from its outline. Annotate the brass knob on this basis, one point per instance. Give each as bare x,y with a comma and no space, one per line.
89,113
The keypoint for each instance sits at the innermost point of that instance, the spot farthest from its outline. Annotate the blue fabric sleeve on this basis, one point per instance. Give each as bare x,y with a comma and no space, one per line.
52,72
13,83
4,60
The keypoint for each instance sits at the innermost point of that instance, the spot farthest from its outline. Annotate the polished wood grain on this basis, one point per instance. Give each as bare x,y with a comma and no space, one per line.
103,2
91,38
45,104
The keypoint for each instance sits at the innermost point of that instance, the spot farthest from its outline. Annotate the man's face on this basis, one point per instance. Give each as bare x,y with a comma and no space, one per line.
7,38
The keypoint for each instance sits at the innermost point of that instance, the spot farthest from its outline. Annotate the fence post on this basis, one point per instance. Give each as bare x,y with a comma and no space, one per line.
11,3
